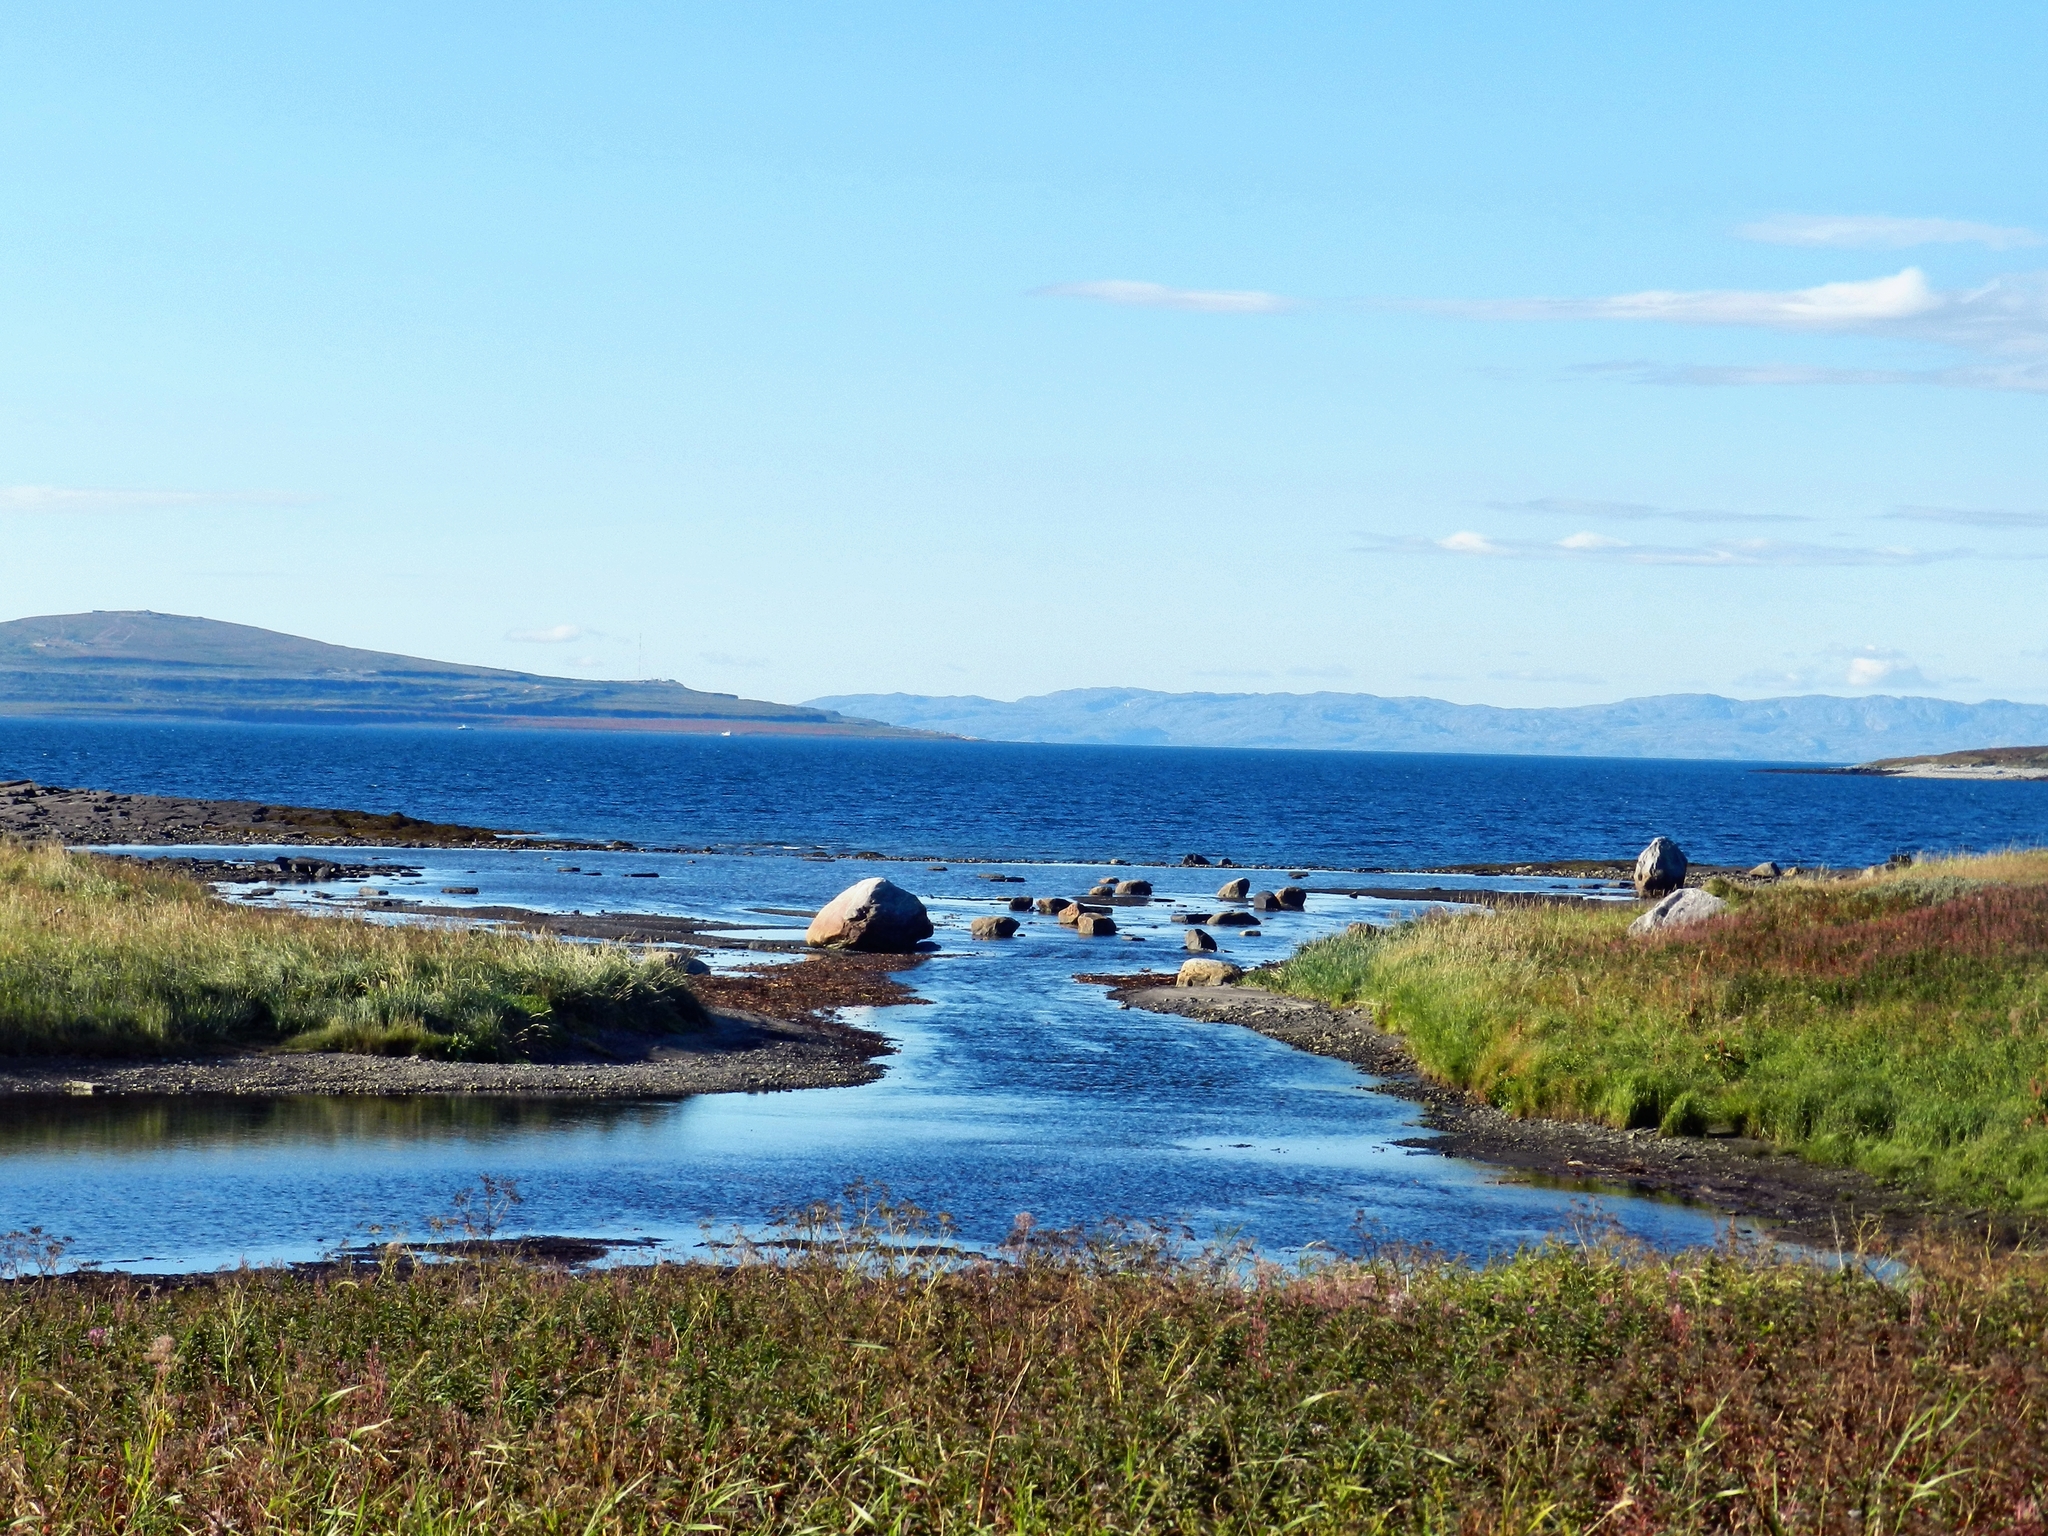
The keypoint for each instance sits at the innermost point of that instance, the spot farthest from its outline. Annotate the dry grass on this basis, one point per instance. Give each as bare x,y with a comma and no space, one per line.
1576,1389
100,958
1899,1022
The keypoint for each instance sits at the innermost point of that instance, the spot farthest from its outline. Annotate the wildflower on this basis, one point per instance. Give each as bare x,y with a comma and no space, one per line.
95,1336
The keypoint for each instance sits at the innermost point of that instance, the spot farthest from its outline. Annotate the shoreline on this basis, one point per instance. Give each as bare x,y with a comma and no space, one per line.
1810,1203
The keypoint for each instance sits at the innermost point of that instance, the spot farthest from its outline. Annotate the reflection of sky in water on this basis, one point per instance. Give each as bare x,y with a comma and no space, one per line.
1015,1090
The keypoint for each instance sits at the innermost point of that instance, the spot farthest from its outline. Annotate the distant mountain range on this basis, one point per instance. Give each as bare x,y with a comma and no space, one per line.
1811,728
162,666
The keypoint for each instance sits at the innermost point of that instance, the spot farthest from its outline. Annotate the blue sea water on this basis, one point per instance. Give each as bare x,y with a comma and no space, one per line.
999,800
1014,1088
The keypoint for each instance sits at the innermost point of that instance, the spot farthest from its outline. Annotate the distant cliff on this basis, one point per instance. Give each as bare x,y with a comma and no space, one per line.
160,666
1813,728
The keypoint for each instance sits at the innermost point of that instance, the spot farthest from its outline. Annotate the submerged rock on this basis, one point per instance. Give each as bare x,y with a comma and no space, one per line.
1681,909
1660,867
1206,973
1234,920
875,915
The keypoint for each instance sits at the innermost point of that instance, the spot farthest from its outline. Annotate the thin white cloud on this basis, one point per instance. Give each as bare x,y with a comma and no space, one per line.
554,634
1719,553
1208,301
1826,307
85,498
1882,232
1967,517
1636,511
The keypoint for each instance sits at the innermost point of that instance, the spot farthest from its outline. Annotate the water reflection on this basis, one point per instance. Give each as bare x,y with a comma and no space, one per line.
144,1124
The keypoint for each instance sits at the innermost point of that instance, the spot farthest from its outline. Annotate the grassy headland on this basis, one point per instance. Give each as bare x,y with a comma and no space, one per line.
1898,1023
1568,1390
99,958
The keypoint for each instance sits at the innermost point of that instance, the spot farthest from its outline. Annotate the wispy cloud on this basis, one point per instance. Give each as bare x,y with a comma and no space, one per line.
1723,553
1884,672
1635,511
1882,232
554,634
1210,301
1851,305
2004,321
82,498
1967,517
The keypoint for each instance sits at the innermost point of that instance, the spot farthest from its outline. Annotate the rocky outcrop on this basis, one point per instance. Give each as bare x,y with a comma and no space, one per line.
1234,890
1206,973
875,915
993,927
1681,909
1199,941
1660,867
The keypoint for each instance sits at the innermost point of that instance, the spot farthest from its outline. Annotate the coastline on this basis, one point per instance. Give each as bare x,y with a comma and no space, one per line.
1806,1202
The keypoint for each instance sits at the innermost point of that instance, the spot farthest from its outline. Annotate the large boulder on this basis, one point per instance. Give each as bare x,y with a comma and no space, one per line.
1660,867
1206,973
1681,909
1199,942
1094,925
1234,890
1020,903
1050,905
1768,870
993,927
875,915
1233,920
1292,897
1134,887
1265,901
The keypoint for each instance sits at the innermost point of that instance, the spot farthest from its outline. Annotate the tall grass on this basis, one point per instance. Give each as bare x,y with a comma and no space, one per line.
1897,1023
107,959
1576,1389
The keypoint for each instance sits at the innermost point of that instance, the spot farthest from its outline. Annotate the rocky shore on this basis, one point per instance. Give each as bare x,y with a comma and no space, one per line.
98,816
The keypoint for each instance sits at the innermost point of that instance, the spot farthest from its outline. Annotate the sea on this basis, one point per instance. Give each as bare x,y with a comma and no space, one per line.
1013,1088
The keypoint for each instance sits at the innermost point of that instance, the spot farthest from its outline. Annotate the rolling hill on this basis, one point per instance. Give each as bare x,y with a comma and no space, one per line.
164,666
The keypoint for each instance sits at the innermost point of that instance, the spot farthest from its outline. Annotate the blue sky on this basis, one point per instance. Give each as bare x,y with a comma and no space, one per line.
1513,354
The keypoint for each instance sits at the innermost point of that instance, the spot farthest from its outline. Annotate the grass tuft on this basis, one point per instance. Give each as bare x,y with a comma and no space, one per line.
99,958
1897,1022
1075,1388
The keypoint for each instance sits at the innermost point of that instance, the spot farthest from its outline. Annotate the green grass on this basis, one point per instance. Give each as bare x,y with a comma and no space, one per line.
1896,1023
1575,1389
107,959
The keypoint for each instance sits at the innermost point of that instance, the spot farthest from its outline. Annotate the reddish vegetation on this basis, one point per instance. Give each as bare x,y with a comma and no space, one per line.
2003,923
809,990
